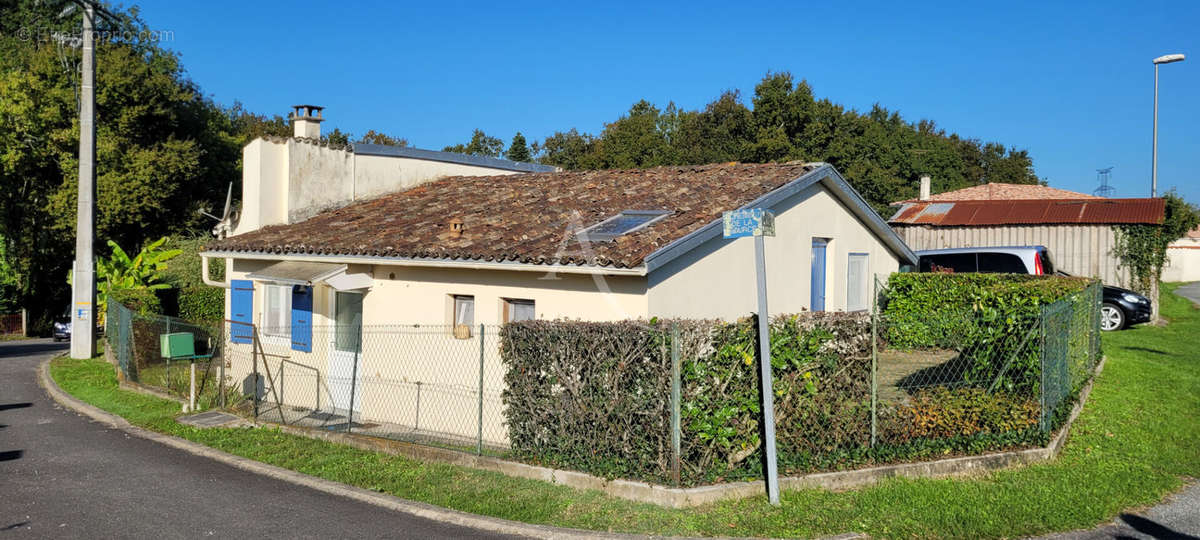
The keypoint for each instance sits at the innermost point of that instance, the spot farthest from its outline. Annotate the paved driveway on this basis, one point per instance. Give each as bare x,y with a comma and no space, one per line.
1191,291
64,476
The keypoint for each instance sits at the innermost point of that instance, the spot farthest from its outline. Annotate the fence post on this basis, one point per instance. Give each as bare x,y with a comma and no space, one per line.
167,380
1042,361
254,357
353,386
24,323
479,434
675,403
221,368
874,360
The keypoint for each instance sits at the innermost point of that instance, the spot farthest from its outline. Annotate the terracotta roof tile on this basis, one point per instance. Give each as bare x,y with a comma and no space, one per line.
1004,192
528,218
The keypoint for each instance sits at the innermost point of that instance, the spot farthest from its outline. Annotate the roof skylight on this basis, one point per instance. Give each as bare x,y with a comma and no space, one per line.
623,223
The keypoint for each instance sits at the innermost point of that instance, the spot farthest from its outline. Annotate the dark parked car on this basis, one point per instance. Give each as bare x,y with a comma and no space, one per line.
1120,307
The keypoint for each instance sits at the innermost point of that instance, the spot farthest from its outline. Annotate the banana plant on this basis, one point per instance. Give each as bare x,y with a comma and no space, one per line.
120,272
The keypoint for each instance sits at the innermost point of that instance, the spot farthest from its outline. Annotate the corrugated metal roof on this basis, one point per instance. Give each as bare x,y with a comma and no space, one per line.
1027,212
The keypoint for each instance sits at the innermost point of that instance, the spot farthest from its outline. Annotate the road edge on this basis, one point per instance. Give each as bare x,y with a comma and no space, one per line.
414,508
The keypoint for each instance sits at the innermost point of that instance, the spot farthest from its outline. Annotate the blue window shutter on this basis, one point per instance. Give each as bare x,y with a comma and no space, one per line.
241,307
302,298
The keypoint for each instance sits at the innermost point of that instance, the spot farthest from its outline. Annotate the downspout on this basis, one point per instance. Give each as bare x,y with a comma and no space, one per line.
208,281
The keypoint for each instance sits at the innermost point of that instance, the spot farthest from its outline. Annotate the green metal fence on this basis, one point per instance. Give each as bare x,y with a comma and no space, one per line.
851,390
133,344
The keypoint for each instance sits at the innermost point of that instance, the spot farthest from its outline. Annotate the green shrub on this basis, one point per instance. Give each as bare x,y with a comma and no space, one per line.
139,300
945,413
202,304
986,317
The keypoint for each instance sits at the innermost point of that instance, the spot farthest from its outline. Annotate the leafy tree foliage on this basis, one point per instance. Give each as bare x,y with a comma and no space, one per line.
518,150
878,151
480,145
375,137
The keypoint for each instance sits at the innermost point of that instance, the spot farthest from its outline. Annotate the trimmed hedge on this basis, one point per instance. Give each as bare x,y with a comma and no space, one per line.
986,317
202,304
595,397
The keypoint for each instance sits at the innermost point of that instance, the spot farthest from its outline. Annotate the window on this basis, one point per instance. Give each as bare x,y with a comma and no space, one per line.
277,311
856,282
949,263
624,223
464,315
516,310
1001,263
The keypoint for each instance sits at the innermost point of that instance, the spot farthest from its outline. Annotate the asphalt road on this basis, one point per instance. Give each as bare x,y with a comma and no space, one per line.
64,476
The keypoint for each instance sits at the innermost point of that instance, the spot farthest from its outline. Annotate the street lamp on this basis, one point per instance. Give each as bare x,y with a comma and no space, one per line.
1164,59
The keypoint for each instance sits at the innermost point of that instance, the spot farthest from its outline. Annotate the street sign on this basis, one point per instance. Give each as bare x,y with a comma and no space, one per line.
749,222
759,223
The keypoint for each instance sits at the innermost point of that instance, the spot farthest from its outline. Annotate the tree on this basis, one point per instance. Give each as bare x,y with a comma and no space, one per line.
375,137
163,149
570,150
336,138
518,150
480,145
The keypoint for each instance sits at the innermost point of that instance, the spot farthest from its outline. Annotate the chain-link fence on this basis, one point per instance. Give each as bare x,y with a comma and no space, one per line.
980,373
436,385
670,402
134,343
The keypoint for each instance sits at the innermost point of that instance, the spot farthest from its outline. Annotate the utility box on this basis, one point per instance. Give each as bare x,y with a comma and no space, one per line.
178,345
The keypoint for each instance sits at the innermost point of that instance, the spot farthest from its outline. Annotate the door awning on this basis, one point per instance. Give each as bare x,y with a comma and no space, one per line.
298,272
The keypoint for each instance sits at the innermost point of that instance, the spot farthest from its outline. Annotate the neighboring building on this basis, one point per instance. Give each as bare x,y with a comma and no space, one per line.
1183,258
1078,229
598,245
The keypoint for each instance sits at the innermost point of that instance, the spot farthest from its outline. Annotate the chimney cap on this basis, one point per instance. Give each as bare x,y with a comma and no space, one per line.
307,111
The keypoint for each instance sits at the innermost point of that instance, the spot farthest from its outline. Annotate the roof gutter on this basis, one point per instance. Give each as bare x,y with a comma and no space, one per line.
423,263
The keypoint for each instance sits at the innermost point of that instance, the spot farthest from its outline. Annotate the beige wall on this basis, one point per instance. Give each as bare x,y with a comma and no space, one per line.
407,347
1183,260
1081,250
288,181
718,278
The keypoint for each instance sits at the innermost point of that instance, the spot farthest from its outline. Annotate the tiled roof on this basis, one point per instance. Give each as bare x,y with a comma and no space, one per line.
1030,212
526,217
1004,192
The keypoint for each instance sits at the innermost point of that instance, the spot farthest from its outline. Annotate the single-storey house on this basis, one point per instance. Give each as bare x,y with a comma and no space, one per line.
376,306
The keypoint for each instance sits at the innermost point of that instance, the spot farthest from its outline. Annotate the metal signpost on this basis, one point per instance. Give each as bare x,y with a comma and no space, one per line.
758,222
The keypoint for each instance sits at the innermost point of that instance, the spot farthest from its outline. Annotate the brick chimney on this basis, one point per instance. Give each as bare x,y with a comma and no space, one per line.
306,121
925,195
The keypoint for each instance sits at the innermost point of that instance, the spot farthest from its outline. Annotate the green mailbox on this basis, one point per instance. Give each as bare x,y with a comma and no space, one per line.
178,345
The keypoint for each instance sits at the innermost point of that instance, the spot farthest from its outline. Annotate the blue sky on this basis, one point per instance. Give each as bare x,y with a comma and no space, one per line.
1073,84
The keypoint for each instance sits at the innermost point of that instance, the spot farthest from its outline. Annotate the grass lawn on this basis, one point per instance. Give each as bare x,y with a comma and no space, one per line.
1136,441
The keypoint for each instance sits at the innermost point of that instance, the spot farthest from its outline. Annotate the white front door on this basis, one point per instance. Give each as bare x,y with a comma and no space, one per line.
345,360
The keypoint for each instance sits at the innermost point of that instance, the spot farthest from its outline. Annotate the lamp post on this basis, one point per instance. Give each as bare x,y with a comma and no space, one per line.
1164,59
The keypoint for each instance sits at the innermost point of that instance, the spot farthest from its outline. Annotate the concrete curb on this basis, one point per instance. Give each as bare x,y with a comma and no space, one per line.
427,511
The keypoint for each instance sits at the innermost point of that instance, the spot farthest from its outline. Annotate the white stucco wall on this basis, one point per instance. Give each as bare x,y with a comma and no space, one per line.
377,175
718,278
288,181
1183,260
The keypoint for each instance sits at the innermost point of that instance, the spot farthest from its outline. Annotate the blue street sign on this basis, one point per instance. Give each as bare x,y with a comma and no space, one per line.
749,222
